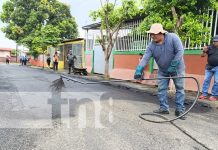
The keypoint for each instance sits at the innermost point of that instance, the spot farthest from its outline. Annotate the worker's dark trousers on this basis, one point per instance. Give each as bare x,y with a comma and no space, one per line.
55,67
71,66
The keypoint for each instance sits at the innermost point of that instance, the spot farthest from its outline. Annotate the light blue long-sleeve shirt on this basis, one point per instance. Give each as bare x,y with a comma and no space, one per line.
171,49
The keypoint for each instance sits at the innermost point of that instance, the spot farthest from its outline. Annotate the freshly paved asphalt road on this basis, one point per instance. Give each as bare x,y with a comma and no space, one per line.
90,117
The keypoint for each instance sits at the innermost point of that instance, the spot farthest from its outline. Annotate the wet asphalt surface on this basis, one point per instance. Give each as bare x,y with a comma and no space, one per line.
90,117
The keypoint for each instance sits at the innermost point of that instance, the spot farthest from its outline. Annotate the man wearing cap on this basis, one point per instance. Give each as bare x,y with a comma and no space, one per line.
167,50
71,58
211,69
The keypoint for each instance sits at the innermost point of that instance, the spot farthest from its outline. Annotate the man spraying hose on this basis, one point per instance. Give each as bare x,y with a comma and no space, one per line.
167,50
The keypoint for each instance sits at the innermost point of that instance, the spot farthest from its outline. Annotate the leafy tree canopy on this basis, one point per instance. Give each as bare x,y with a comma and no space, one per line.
38,23
112,18
185,17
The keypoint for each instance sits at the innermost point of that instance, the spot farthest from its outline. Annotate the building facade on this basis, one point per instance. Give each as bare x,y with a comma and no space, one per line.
130,43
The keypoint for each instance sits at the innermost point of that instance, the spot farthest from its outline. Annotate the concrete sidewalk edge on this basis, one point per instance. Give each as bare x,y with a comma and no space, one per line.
133,86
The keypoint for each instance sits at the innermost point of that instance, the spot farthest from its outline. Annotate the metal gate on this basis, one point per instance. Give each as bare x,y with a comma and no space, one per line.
99,62
76,51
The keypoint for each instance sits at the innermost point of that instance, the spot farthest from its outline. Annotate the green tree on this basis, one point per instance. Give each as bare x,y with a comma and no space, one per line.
13,52
187,18
38,23
112,18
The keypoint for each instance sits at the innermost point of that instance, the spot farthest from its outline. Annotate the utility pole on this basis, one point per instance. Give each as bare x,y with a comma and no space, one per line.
43,58
43,45
16,51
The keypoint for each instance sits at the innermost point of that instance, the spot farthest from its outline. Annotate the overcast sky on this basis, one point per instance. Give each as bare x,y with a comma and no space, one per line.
79,9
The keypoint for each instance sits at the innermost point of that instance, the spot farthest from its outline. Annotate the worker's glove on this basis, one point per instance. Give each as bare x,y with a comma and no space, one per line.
138,72
172,70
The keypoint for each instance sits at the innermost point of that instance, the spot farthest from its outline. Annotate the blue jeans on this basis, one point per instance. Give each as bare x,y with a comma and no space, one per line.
207,79
163,85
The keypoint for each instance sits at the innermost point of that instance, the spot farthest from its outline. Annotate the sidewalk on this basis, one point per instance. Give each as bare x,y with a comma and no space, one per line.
133,86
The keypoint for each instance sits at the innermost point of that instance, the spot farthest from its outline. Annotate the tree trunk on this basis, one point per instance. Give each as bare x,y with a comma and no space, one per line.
107,54
106,69
178,20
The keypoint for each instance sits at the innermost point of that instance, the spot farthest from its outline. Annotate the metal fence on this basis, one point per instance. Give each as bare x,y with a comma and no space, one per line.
131,39
91,37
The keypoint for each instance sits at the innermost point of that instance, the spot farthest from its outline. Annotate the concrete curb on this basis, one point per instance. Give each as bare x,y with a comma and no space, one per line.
136,87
